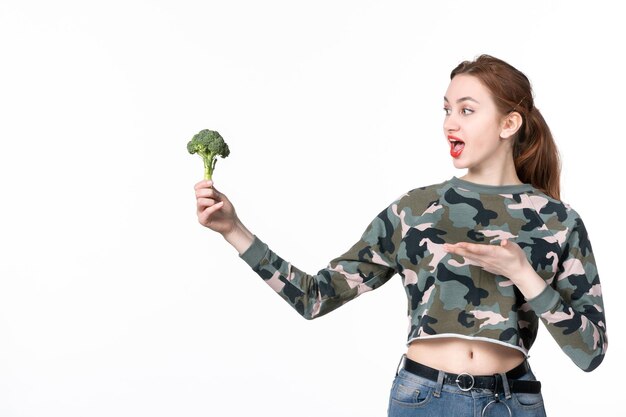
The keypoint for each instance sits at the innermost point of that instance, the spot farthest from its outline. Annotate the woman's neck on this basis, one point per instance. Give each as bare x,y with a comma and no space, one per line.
494,175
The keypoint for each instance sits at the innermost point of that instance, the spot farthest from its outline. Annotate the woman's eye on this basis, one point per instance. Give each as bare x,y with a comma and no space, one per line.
467,111
447,111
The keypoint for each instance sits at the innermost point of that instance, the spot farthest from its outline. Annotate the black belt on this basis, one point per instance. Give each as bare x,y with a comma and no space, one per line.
467,382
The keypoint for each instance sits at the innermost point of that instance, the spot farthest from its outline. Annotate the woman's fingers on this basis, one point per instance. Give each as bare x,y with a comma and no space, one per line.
468,249
214,209
480,254
478,249
204,216
207,202
207,193
203,184
503,259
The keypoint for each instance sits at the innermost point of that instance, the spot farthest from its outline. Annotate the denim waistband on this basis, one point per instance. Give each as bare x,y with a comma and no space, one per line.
505,382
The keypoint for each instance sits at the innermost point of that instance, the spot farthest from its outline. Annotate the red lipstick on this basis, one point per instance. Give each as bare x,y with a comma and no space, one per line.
456,146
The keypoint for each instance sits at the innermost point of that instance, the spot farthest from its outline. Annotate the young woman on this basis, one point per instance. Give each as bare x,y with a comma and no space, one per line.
483,258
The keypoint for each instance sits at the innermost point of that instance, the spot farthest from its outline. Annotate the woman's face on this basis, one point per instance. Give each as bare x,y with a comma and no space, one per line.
472,125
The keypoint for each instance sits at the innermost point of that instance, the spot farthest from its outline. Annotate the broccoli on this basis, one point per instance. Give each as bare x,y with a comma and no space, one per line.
209,145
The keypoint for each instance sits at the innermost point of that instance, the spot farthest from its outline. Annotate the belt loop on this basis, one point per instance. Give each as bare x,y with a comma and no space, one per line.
400,363
505,385
439,387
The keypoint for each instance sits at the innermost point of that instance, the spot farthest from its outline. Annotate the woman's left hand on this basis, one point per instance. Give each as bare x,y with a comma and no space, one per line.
506,259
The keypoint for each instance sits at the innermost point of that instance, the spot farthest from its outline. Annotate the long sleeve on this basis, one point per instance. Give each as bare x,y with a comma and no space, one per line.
571,307
364,267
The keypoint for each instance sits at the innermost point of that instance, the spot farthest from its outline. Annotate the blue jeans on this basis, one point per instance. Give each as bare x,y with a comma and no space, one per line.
412,395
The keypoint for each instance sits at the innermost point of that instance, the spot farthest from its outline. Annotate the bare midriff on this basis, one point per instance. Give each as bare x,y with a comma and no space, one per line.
457,355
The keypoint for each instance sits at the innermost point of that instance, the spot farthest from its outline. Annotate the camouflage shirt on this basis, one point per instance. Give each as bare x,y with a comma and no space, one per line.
449,297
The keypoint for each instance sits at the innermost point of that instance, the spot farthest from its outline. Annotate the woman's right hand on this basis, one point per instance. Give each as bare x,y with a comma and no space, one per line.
214,209
216,212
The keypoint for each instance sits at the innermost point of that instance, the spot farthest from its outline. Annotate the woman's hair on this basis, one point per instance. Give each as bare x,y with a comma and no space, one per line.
535,154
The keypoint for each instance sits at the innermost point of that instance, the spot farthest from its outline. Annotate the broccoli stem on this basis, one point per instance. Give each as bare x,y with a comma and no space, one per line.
208,167
213,165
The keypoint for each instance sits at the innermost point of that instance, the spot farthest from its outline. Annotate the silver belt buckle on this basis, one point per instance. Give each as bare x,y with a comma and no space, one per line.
464,378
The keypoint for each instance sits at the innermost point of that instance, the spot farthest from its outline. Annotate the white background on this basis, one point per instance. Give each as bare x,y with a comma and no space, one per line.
115,302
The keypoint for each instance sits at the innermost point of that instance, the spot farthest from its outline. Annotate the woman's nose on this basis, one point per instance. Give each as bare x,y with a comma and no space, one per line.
450,124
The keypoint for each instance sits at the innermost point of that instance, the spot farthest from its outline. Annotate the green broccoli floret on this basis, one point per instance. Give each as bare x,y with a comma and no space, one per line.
209,145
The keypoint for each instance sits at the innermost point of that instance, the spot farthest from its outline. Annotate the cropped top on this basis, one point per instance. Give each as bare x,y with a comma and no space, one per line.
448,296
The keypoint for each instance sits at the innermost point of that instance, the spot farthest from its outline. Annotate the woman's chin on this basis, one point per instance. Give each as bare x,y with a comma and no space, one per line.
458,164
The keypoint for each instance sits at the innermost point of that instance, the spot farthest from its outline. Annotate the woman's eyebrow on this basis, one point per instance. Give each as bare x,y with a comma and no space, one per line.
468,98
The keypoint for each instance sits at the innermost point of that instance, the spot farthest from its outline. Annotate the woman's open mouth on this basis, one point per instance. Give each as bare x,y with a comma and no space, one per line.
456,146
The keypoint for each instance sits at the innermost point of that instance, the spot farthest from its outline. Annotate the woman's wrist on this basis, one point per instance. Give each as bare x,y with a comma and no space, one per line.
530,283
239,237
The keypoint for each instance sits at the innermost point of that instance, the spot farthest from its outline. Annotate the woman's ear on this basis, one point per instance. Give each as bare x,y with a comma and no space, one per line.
510,124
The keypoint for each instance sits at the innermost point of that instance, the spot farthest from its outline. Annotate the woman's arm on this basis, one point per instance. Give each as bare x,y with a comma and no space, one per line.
570,306
366,266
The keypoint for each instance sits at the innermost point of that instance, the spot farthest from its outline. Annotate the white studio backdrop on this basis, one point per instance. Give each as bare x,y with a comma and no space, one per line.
114,301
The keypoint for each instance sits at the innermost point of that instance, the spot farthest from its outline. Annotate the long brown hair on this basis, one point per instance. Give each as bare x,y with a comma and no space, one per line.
535,154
